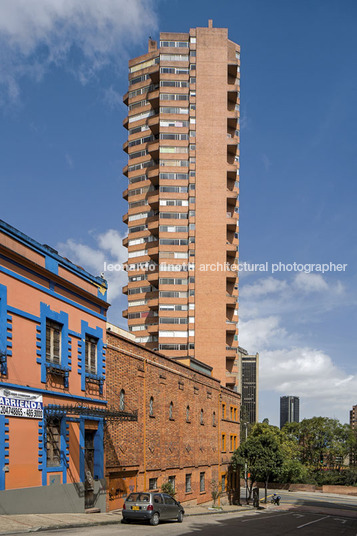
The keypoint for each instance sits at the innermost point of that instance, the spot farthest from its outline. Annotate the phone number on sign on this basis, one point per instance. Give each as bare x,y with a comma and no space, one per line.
21,412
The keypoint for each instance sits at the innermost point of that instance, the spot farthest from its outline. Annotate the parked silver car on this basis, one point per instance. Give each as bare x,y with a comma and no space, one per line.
151,506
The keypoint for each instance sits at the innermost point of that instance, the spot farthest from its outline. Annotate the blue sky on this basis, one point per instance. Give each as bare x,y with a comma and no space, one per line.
63,71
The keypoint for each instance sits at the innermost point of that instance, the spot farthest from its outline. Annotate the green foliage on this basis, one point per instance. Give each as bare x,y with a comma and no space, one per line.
293,472
168,488
261,452
314,451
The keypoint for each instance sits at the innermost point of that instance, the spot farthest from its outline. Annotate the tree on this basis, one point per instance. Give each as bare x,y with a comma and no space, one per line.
320,441
167,487
263,454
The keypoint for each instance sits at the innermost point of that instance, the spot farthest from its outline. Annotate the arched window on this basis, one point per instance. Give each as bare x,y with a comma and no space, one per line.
171,411
201,417
188,414
122,400
151,407
214,418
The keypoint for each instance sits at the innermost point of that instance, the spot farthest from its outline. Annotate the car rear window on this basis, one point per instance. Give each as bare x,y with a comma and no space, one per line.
138,497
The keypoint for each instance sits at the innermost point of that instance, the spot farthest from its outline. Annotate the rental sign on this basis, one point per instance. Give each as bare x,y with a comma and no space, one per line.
20,404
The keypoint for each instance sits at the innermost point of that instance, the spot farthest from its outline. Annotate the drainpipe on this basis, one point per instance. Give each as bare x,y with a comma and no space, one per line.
219,443
144,424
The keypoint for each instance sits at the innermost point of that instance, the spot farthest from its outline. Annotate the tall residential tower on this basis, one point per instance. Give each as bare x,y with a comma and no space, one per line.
183,195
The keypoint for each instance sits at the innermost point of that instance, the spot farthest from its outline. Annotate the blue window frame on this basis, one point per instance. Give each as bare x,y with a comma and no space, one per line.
64,364
91,336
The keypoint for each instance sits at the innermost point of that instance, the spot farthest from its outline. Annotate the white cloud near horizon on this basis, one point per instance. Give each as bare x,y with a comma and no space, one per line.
270,310
37,34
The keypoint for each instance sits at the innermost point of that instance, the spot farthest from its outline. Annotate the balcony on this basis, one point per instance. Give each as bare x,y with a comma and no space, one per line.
125,313
153,149
125,289
152,328
231,326
153,97
153,303
232,120
231,352
232,144
232,92
231,380
232,219
231,300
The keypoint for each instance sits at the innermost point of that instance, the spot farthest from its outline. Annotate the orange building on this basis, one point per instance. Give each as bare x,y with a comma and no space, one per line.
52,384
186,432
183,196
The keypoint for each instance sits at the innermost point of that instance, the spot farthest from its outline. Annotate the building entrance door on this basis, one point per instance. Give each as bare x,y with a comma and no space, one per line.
89,498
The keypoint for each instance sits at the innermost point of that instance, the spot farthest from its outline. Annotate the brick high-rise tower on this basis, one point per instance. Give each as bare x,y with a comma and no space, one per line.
183,195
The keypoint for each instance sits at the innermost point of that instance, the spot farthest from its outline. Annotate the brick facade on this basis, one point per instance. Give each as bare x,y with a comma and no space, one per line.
182,416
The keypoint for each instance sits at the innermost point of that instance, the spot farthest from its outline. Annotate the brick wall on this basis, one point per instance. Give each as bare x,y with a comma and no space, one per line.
186,439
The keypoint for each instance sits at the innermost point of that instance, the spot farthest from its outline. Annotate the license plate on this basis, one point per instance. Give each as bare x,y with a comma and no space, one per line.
135,507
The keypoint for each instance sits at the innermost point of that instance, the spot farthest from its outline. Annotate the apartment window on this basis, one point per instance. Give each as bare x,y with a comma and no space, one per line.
188,479
53,445
91,354
223,442
171,411
214,418
172,480
201,417
202,482
151,407
232,413
188,414
152,483
223,482
53,341
122,400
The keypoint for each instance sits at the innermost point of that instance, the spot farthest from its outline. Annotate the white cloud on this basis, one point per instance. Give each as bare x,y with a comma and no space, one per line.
312,375
310,282
310,294
35,34
109,250
258,333
263,286
271,312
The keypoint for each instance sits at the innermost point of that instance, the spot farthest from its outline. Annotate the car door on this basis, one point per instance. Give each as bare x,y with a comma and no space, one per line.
171,509
158,504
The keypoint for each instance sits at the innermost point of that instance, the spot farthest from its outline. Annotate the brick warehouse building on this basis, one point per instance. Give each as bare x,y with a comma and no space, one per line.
52,381
187,428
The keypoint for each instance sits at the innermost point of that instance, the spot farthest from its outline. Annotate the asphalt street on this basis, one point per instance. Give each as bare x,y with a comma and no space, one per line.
300,514
256,524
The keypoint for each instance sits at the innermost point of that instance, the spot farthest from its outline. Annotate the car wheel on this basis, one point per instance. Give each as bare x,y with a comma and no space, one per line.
124,520
155,519
180,517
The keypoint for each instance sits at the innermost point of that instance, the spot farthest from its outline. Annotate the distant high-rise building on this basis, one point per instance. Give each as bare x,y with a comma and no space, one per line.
248,386
183,195
289,409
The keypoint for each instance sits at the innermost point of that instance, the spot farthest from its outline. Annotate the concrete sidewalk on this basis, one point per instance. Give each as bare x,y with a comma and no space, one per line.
17,524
